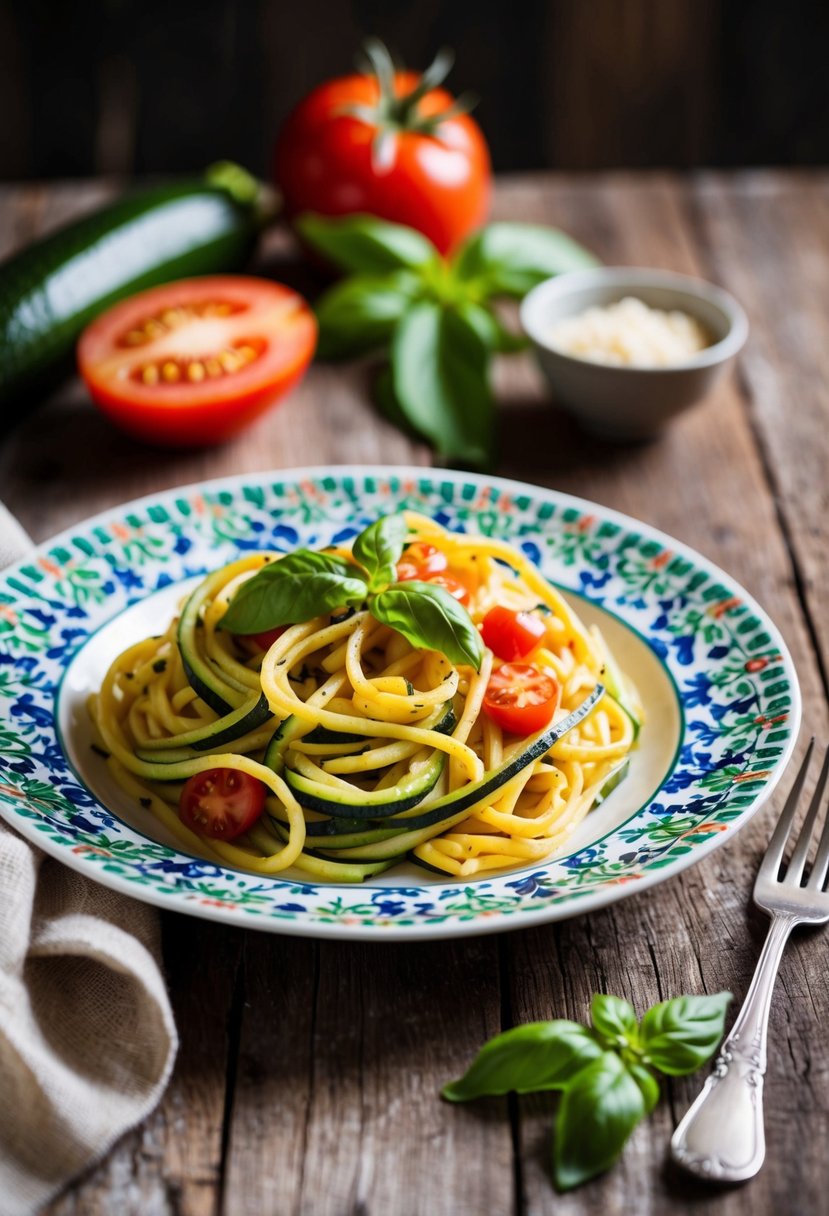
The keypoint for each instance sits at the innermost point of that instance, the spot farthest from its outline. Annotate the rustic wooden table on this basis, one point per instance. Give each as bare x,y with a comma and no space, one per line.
308,1074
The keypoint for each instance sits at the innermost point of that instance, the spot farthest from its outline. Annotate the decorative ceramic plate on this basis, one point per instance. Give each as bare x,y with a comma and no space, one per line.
719,690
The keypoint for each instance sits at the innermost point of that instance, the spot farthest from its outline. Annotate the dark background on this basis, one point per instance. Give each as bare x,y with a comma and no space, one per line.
135,86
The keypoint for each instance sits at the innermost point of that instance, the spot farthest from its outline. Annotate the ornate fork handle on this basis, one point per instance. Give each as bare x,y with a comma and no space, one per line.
721,1137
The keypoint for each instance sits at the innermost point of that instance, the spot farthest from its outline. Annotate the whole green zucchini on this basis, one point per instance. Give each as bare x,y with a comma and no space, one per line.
52,289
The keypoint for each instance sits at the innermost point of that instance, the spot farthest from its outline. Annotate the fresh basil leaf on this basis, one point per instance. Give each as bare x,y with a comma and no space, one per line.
364,244
491,329
360,313
648,1084
440,369
600,1108
389,406
379,546
614,1020
510,259
430,617
678,1036
295,588
538,1056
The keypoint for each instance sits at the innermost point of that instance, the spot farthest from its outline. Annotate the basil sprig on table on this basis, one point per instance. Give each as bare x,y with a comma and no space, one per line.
433,317
606,1074
306,584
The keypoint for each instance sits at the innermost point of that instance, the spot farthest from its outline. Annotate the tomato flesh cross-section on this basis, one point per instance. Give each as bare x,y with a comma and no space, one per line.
193,362
221,803
521,699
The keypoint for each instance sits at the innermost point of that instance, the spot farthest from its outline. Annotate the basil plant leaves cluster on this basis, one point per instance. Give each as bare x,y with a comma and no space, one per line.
432,317
606,1074
305,584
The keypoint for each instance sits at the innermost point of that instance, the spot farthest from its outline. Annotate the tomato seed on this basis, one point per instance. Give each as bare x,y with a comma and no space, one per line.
172,318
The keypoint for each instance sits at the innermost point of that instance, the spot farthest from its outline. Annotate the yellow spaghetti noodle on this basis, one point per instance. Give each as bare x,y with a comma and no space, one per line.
343,712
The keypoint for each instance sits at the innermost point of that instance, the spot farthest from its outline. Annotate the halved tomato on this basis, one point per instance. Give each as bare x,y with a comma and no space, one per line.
455,586
421,561
195,361
221,803
521,699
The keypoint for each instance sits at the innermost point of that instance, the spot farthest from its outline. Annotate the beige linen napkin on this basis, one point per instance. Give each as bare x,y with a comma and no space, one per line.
87,1038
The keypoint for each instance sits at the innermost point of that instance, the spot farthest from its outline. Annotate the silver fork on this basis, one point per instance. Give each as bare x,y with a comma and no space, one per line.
721,1137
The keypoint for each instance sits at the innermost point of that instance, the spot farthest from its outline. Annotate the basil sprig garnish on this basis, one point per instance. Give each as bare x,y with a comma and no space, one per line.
306,584
606,1074
432,319
298,587
423,612
379,547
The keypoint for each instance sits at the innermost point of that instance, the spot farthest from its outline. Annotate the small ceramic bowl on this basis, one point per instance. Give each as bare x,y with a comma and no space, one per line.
631,402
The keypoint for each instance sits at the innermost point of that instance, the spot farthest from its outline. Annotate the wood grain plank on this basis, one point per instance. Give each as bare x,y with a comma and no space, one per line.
703,482
19,211
336,1103
768,237
171,1165
632,84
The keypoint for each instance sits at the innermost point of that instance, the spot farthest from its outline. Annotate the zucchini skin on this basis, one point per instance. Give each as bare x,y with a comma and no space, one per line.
51,290
377,804
375,835
214,737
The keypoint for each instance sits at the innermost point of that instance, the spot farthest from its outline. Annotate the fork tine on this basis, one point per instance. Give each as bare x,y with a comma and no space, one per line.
794,870
821,863
770,864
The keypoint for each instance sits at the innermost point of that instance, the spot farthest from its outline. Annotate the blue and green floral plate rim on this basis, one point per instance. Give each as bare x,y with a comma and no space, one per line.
735,679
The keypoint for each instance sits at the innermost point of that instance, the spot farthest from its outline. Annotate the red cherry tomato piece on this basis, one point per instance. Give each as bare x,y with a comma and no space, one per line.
221,803
267,638
194,362
521,699
353,146
511,635
451,584
421,561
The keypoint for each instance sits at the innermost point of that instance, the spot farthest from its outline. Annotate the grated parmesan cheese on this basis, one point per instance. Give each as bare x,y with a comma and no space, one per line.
630,334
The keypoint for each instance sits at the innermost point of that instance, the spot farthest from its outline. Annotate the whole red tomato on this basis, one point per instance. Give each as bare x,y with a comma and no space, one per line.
391,144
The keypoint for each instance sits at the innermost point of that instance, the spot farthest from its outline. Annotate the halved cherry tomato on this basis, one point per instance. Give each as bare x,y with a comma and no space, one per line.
221,803
421,561
428,564
521,699
267,638
511,635
195,361
453,585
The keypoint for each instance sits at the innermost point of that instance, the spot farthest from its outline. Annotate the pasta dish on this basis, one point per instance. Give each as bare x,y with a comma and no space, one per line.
423,694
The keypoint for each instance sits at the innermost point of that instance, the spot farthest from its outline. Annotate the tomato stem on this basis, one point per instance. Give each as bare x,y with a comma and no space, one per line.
394,113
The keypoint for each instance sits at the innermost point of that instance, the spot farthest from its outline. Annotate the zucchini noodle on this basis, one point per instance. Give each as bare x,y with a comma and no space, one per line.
369,748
